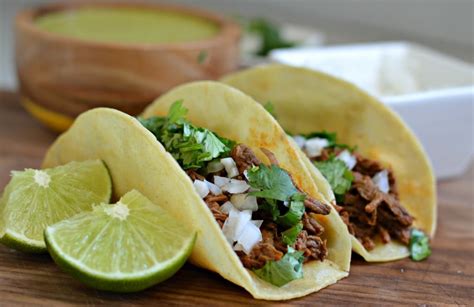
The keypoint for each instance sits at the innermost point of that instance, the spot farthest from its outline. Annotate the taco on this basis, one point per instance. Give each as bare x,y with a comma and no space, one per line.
378,176
217,161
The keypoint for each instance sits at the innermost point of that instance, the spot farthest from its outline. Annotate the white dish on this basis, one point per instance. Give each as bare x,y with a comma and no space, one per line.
432,92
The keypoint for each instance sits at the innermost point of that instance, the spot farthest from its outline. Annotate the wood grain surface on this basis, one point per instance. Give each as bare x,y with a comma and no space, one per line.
447,277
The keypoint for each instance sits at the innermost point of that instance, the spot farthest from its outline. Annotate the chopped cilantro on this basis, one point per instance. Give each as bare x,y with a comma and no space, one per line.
337,174
270,108
289,236
202,56
272,182
281,272
293,215
270,207
419,245
270,37
191,146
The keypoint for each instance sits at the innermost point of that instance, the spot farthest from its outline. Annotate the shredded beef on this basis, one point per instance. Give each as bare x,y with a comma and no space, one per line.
271,156
244,157
272,246
368,212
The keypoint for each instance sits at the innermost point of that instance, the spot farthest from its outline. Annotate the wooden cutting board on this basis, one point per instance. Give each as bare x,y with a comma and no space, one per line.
447,277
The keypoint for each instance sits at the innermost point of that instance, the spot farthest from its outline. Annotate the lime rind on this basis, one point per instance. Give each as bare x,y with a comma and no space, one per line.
121,247
35,199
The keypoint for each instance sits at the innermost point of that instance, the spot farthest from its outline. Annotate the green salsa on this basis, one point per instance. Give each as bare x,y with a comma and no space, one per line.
128,25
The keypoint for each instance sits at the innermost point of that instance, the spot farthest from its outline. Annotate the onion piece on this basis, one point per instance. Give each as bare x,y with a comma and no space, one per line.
249,236
244,202
221,181
381,181
215,166
236,186
201,188
235,224
346,157
226,207
230,167
215,190
257,223
314,146
299,140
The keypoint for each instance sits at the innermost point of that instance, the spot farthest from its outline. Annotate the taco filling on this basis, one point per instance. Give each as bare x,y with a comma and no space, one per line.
366,192
269,222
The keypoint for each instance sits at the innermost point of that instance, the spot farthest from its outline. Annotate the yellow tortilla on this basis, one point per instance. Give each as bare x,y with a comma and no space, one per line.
136,160
307,101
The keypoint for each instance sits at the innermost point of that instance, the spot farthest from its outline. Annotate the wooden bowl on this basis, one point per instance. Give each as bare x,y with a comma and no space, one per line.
61,77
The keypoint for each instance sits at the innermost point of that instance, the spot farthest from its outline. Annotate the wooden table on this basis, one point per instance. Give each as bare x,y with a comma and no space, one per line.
447,277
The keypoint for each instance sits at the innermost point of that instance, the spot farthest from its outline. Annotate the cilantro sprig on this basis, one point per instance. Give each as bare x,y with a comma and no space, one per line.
275,186
337,174
281,272
191,146
419,245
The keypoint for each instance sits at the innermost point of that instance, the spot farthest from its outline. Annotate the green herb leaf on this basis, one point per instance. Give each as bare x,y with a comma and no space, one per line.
419,245
272,182
202,56
270,37
191,146
293,215
270,207
281,272
289,236
337,174
176,112
270,108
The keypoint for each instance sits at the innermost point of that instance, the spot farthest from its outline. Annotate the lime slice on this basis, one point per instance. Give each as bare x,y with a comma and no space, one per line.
125,247
35,199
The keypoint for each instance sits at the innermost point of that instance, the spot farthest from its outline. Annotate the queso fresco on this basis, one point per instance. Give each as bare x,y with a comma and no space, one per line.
128,25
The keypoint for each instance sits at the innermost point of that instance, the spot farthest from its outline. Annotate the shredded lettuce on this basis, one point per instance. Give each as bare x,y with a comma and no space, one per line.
281,272
419,245
191,146
337,174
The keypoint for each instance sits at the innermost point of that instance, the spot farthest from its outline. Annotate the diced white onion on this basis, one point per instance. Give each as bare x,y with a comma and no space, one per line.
381,181
346,157
314,146
238,247
249,236
215,166
257,223
201,188
221,181
226,207
244,202
299,140
286,203
230,167
246,174
215,190
235,224
236,186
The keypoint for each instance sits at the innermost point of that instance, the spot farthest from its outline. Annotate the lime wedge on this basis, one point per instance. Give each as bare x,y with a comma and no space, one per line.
125,247
35,199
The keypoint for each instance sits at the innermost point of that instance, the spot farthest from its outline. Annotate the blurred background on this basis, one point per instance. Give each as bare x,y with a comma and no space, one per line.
445,25
414,55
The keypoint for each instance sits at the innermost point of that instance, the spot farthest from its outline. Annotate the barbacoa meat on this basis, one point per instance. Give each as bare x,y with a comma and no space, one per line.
271,247
368,212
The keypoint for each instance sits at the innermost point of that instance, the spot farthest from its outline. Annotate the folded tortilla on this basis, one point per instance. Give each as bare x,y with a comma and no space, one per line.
306,101
136,160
